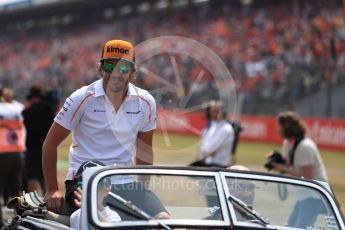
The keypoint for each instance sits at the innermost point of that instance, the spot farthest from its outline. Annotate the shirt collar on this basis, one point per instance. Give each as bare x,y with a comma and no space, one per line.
132,91
99,90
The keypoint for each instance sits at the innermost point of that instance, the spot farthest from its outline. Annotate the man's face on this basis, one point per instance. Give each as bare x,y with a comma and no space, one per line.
216,111
8,95
117,74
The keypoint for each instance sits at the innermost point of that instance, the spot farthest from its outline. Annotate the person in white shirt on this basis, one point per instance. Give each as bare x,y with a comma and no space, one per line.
111,120
8,97
12,143
217,138
303,159
302,156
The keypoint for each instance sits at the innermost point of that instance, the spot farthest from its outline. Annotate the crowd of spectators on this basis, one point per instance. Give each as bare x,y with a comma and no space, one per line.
276,54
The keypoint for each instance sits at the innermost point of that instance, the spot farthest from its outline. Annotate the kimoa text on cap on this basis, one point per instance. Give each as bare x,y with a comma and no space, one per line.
118,50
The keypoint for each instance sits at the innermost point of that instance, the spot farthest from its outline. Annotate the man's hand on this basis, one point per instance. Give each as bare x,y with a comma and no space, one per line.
282,168
269,154
78,197
54,201
162,216
55,136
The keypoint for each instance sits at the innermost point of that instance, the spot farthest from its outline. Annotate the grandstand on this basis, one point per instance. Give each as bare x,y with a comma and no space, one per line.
282,54
279,52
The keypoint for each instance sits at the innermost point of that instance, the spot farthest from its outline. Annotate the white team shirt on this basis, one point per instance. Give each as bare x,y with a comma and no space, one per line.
99,132
217,140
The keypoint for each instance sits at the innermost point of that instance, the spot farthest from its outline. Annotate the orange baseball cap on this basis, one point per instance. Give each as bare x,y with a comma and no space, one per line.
118,49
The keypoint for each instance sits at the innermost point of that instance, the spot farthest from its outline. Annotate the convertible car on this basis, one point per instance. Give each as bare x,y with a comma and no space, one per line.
197,198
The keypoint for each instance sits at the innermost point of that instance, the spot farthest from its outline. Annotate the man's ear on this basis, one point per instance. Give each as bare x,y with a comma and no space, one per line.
132,74
99,69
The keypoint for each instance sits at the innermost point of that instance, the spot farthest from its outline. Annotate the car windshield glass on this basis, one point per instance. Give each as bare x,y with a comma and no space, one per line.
118,203
249,212
283,204
173,197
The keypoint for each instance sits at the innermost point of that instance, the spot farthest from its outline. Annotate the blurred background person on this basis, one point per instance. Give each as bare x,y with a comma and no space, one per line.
11,146
302,156
8,97
38,117
302,160
217,139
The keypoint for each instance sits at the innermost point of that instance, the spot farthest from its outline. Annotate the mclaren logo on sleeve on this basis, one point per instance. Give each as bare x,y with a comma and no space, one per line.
64,108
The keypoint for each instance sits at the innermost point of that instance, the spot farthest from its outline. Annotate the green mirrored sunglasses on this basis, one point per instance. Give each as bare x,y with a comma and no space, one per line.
121,68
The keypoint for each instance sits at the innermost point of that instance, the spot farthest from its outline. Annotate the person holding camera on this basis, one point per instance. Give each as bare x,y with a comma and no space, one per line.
300,153
300,158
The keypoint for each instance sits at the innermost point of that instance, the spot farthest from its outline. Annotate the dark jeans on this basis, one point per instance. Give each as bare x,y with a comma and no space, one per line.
10,176
33,165
305,213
